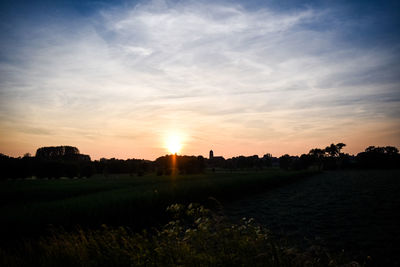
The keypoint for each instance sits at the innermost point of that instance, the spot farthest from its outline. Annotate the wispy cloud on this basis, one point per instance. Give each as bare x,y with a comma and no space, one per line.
216,71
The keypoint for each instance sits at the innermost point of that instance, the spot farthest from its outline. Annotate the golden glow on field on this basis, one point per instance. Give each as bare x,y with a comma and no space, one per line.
174,143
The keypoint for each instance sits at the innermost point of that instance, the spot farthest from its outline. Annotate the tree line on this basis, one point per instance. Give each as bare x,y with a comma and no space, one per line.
331,158
67,161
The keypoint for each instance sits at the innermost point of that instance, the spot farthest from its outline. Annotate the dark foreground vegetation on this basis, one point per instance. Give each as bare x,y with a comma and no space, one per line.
194,237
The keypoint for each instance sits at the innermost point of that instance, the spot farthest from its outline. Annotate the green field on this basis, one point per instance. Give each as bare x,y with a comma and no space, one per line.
29,207
100,221
355,211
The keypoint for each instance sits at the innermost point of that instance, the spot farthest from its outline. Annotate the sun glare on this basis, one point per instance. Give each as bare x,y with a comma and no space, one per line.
174,144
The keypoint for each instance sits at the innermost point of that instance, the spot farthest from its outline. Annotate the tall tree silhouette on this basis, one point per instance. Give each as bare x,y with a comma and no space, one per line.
317,154
334,150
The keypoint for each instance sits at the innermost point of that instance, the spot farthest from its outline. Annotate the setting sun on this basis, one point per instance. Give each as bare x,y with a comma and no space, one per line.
174,144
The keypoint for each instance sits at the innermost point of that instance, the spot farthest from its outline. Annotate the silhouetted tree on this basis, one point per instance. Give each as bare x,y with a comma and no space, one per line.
184,164
317,156
284,162
267,160
379,157
56,152
334,150
306,161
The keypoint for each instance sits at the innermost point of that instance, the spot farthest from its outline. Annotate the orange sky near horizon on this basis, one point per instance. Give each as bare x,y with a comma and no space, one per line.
227,145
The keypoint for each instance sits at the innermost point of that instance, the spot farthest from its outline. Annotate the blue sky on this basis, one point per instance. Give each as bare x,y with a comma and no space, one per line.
118,78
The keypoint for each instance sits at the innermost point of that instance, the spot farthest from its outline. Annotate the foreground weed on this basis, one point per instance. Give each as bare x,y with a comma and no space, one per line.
195,237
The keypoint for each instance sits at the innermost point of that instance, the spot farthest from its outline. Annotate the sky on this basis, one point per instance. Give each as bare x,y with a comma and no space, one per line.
121,78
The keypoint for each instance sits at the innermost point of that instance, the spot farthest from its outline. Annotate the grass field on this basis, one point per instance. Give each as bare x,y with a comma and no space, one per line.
29,207
61,222
357,211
